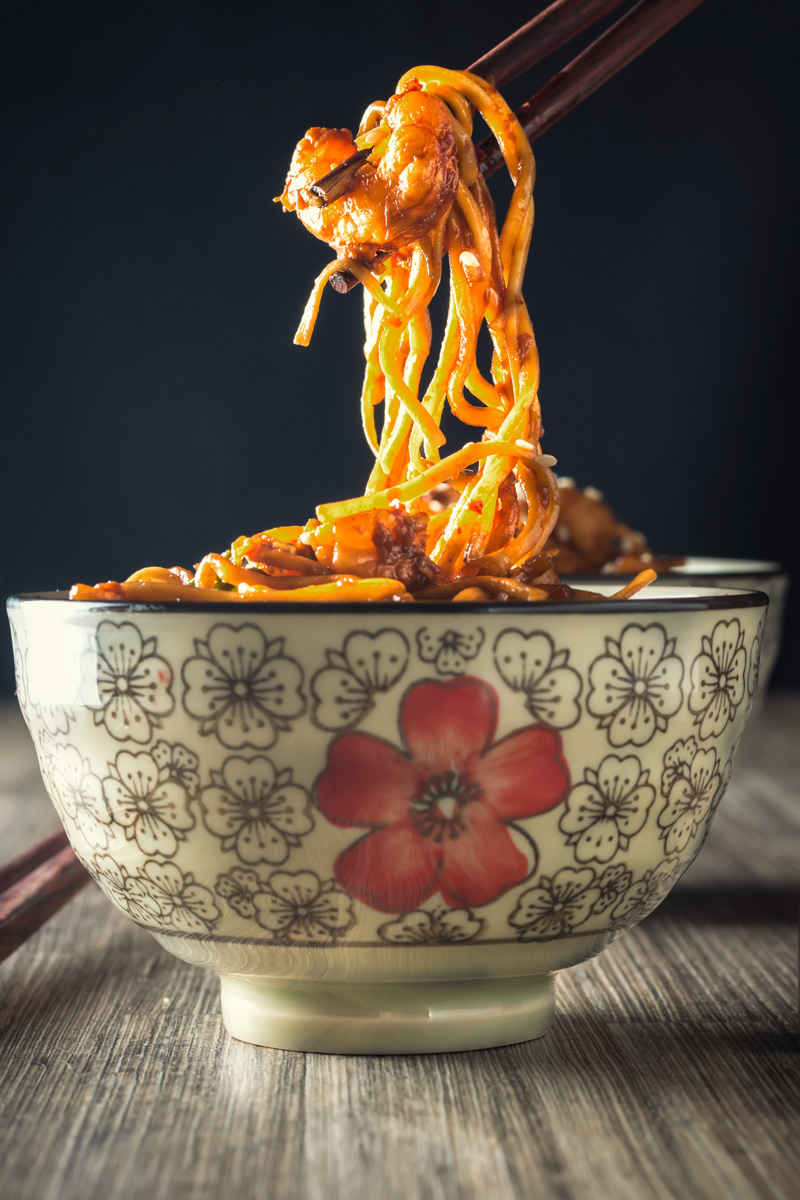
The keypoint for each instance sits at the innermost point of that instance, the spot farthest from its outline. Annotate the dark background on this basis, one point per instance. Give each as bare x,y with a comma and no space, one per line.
153,402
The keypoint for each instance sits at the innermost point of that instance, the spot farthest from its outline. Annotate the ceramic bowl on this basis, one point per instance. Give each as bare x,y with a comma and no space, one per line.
736,574
388,826
751,574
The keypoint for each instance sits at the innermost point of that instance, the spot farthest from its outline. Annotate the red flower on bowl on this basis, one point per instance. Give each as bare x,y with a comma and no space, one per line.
440,813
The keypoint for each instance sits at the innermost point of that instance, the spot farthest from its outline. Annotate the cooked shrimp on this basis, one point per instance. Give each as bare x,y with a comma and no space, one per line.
398,194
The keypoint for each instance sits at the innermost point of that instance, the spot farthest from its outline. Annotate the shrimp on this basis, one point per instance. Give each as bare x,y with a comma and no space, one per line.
400,192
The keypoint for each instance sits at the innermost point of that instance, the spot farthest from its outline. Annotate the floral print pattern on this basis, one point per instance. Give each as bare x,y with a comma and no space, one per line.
256,810
412,826
298,908
242,687
612,884
556,905
727,771
635,687
56,718
81,795
152,808
753,664
239,887
367,663
132,682
44,753
20,676
421,928
157,895
531,664
607,809
718,679
187,906
127,891
178,764
439,814
647,893
449,651
755,657
690,784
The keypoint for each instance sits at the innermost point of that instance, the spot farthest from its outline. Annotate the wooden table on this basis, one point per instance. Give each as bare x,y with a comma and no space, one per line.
671,1070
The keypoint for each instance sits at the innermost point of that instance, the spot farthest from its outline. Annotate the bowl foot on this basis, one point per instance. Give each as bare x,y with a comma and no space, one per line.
387,1018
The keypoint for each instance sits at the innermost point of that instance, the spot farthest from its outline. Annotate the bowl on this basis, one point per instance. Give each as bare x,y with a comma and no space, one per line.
771,578
386,826
731,574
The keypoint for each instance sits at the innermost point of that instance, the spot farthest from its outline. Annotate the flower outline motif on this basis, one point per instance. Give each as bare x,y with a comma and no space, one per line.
727,771
690,785
645,895
242,687
56,718
80,793
754,664
184,904
605,811
343,691
126,891
239,887
179,764
635,687
613,884
449,652
297,908
132,681
45,747
151,808
718,679
20,671
256,810
752,674
530,663
556,905
439,814
424,928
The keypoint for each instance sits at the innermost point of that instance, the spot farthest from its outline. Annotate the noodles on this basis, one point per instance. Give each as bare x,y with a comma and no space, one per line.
411,201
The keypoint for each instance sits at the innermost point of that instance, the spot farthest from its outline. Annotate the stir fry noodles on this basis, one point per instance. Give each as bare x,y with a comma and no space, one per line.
473,523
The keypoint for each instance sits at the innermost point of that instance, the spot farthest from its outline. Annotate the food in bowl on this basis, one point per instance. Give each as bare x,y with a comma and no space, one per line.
387,829
408,194
589,537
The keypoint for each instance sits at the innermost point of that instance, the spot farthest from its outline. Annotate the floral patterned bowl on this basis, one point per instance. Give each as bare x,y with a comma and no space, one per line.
387,826
749,574
753,574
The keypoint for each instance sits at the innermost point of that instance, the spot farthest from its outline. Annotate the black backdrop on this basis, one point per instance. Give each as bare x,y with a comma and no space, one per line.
152,289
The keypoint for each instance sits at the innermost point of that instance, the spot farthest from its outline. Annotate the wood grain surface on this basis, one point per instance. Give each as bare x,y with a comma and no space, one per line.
671,1070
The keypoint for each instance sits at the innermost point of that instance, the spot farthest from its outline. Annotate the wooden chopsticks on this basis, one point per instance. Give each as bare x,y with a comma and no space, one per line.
34,886
625,40
552,28
545,33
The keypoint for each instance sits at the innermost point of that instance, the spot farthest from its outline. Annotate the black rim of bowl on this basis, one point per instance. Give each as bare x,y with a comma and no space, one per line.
661,603
701,577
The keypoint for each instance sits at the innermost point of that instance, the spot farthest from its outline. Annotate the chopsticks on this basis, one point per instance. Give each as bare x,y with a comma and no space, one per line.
545,33
550,29
556,25
34,886
633,33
